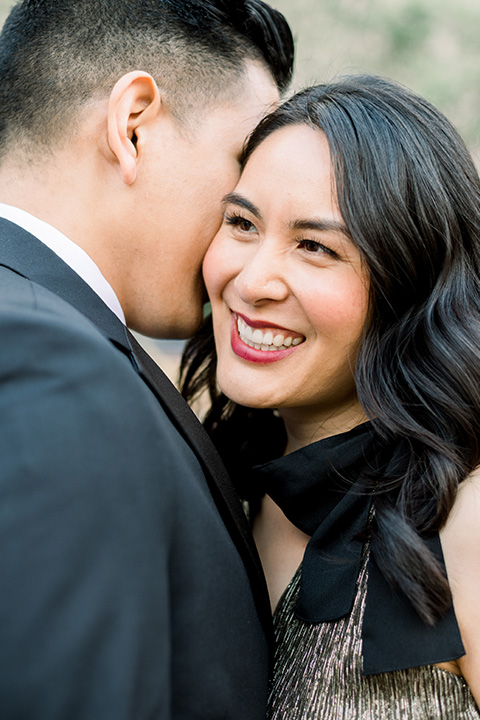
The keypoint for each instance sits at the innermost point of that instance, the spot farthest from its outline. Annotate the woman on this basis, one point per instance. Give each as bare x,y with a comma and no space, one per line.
345,292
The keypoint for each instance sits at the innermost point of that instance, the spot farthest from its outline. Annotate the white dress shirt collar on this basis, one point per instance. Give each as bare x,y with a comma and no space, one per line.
68,251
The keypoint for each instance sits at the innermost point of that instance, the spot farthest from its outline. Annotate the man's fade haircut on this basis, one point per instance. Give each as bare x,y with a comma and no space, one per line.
56,55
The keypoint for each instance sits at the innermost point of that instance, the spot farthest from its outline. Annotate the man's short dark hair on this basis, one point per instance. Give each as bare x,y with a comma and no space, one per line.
56,55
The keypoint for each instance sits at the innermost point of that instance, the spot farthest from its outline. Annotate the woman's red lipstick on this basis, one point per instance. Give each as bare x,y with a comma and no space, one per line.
251,354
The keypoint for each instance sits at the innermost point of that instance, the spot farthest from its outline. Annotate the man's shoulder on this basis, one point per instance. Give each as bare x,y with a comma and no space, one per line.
31,313
43,335
53,355
19,294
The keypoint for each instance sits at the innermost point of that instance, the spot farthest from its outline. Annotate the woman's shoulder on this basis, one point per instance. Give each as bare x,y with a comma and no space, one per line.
461,548
462,529
461,539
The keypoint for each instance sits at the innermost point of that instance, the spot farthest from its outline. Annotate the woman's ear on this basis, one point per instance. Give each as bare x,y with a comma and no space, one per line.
134,100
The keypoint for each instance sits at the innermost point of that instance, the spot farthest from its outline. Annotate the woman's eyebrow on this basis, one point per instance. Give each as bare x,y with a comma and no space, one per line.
321,224
236,199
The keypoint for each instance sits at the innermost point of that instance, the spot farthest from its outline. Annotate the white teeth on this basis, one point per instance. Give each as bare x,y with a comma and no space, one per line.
257,337
264,341
248,331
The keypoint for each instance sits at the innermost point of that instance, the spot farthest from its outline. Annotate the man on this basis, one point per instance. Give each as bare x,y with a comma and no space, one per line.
131,589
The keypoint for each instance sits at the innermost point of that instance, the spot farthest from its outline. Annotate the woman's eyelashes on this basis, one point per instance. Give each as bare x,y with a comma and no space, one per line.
238,221
246,227
316,247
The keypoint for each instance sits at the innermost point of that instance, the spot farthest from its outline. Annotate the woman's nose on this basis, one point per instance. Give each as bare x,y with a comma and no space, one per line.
262,279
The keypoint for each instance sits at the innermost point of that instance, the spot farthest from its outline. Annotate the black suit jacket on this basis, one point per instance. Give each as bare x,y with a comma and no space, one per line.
130,585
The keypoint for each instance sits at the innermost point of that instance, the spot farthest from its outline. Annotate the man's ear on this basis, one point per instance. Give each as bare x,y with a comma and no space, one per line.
134,100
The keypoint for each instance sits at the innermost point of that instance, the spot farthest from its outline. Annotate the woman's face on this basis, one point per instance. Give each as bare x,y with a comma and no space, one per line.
288,291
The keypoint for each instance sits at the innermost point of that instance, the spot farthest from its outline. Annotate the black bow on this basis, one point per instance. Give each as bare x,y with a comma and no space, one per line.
325,490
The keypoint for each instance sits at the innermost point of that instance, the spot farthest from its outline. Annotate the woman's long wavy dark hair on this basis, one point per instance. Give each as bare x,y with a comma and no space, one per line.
409,194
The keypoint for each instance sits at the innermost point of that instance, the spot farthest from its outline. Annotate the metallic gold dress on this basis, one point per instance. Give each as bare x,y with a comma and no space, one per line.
318,673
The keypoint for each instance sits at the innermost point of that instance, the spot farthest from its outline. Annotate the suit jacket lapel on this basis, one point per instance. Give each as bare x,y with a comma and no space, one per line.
26,255
219,482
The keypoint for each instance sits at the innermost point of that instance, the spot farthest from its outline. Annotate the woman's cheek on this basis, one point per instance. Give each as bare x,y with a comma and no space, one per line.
219,266
211,268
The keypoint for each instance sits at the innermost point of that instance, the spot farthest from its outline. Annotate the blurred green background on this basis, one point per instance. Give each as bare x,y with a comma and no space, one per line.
432,46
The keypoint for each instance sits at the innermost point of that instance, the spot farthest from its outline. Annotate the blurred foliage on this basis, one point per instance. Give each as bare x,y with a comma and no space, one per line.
431,46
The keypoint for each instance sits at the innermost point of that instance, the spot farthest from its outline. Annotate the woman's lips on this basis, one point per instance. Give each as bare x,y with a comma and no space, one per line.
262,342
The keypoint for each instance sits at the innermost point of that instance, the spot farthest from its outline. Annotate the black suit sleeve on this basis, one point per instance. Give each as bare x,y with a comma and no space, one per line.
87,505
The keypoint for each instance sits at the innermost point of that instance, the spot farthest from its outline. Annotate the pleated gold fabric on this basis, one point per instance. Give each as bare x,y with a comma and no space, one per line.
318,673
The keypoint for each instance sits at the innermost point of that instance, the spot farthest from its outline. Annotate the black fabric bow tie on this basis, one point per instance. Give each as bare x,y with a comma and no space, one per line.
324,489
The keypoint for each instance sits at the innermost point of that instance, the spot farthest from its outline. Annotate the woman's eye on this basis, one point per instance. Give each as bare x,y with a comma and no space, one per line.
312,246
240,222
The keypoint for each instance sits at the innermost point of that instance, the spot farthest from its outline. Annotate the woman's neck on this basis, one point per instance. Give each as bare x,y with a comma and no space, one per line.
304,427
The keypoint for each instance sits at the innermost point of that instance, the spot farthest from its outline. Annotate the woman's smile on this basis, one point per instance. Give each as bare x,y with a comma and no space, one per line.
252,339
